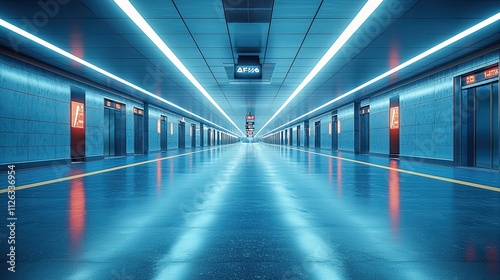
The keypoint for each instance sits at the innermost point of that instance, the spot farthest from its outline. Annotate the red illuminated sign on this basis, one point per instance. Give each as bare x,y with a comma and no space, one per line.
77,114
491,73
394,118
250,118
470,79
138,111
481,76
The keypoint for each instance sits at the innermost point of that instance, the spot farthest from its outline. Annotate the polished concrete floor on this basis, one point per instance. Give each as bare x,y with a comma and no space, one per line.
255,211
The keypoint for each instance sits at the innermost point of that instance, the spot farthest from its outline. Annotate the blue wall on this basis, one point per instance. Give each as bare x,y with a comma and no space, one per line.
326,138
379,124
35,116
28,131
426,113
346,136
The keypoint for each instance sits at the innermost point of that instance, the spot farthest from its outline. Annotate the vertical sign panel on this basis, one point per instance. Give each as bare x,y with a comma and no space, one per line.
394,123
394,118
77,114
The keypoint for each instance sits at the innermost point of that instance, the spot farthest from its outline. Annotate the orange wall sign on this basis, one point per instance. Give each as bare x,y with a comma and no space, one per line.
77,114
394,117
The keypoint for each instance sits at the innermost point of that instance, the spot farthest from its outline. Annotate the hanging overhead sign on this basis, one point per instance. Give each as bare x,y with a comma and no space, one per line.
248,67
247,71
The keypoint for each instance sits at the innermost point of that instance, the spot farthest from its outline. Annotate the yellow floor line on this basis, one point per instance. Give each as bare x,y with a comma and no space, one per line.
444,179
38,184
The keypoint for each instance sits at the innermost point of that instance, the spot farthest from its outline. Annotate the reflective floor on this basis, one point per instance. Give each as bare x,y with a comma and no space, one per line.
254,211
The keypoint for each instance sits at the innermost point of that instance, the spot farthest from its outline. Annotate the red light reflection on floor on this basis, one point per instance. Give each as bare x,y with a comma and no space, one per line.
492,258
171,172
470,253
158,177
394,206
77,212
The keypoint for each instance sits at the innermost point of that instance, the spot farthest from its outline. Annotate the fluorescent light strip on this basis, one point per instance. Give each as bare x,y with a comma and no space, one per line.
428,52
52,47
136,17
355,24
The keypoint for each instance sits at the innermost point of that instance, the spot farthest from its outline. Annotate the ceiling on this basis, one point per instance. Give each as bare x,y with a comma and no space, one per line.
289,36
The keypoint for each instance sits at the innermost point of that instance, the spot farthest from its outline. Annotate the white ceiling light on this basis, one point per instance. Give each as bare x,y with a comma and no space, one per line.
355,24
62,52
428,52
136,17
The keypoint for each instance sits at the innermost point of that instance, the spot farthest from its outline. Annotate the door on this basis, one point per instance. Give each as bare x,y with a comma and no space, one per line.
298,135
182,135
114,129
138,132
109,132
335,133
486,146
364,130
163,133
317,134
306,134
201,136
209,137
193,135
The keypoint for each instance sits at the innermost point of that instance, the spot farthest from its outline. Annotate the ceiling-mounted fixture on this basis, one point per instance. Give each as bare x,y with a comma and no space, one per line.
425,54
137,18
64,53
248,67
353,26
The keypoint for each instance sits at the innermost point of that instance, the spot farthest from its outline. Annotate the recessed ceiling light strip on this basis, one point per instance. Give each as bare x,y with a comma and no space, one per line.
137,18
353,26
60,51
425,54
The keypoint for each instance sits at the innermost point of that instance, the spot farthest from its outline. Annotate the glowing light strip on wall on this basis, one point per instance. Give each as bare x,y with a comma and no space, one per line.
353,26
60,51
425,54
136,17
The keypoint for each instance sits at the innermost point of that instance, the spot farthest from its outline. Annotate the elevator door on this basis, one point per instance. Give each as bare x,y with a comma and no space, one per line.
298,135
114,132
209,137
335,134
163,133
486,146
182,135
193,135
201,136
109,132
306,134
138,134
364,130
317,134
